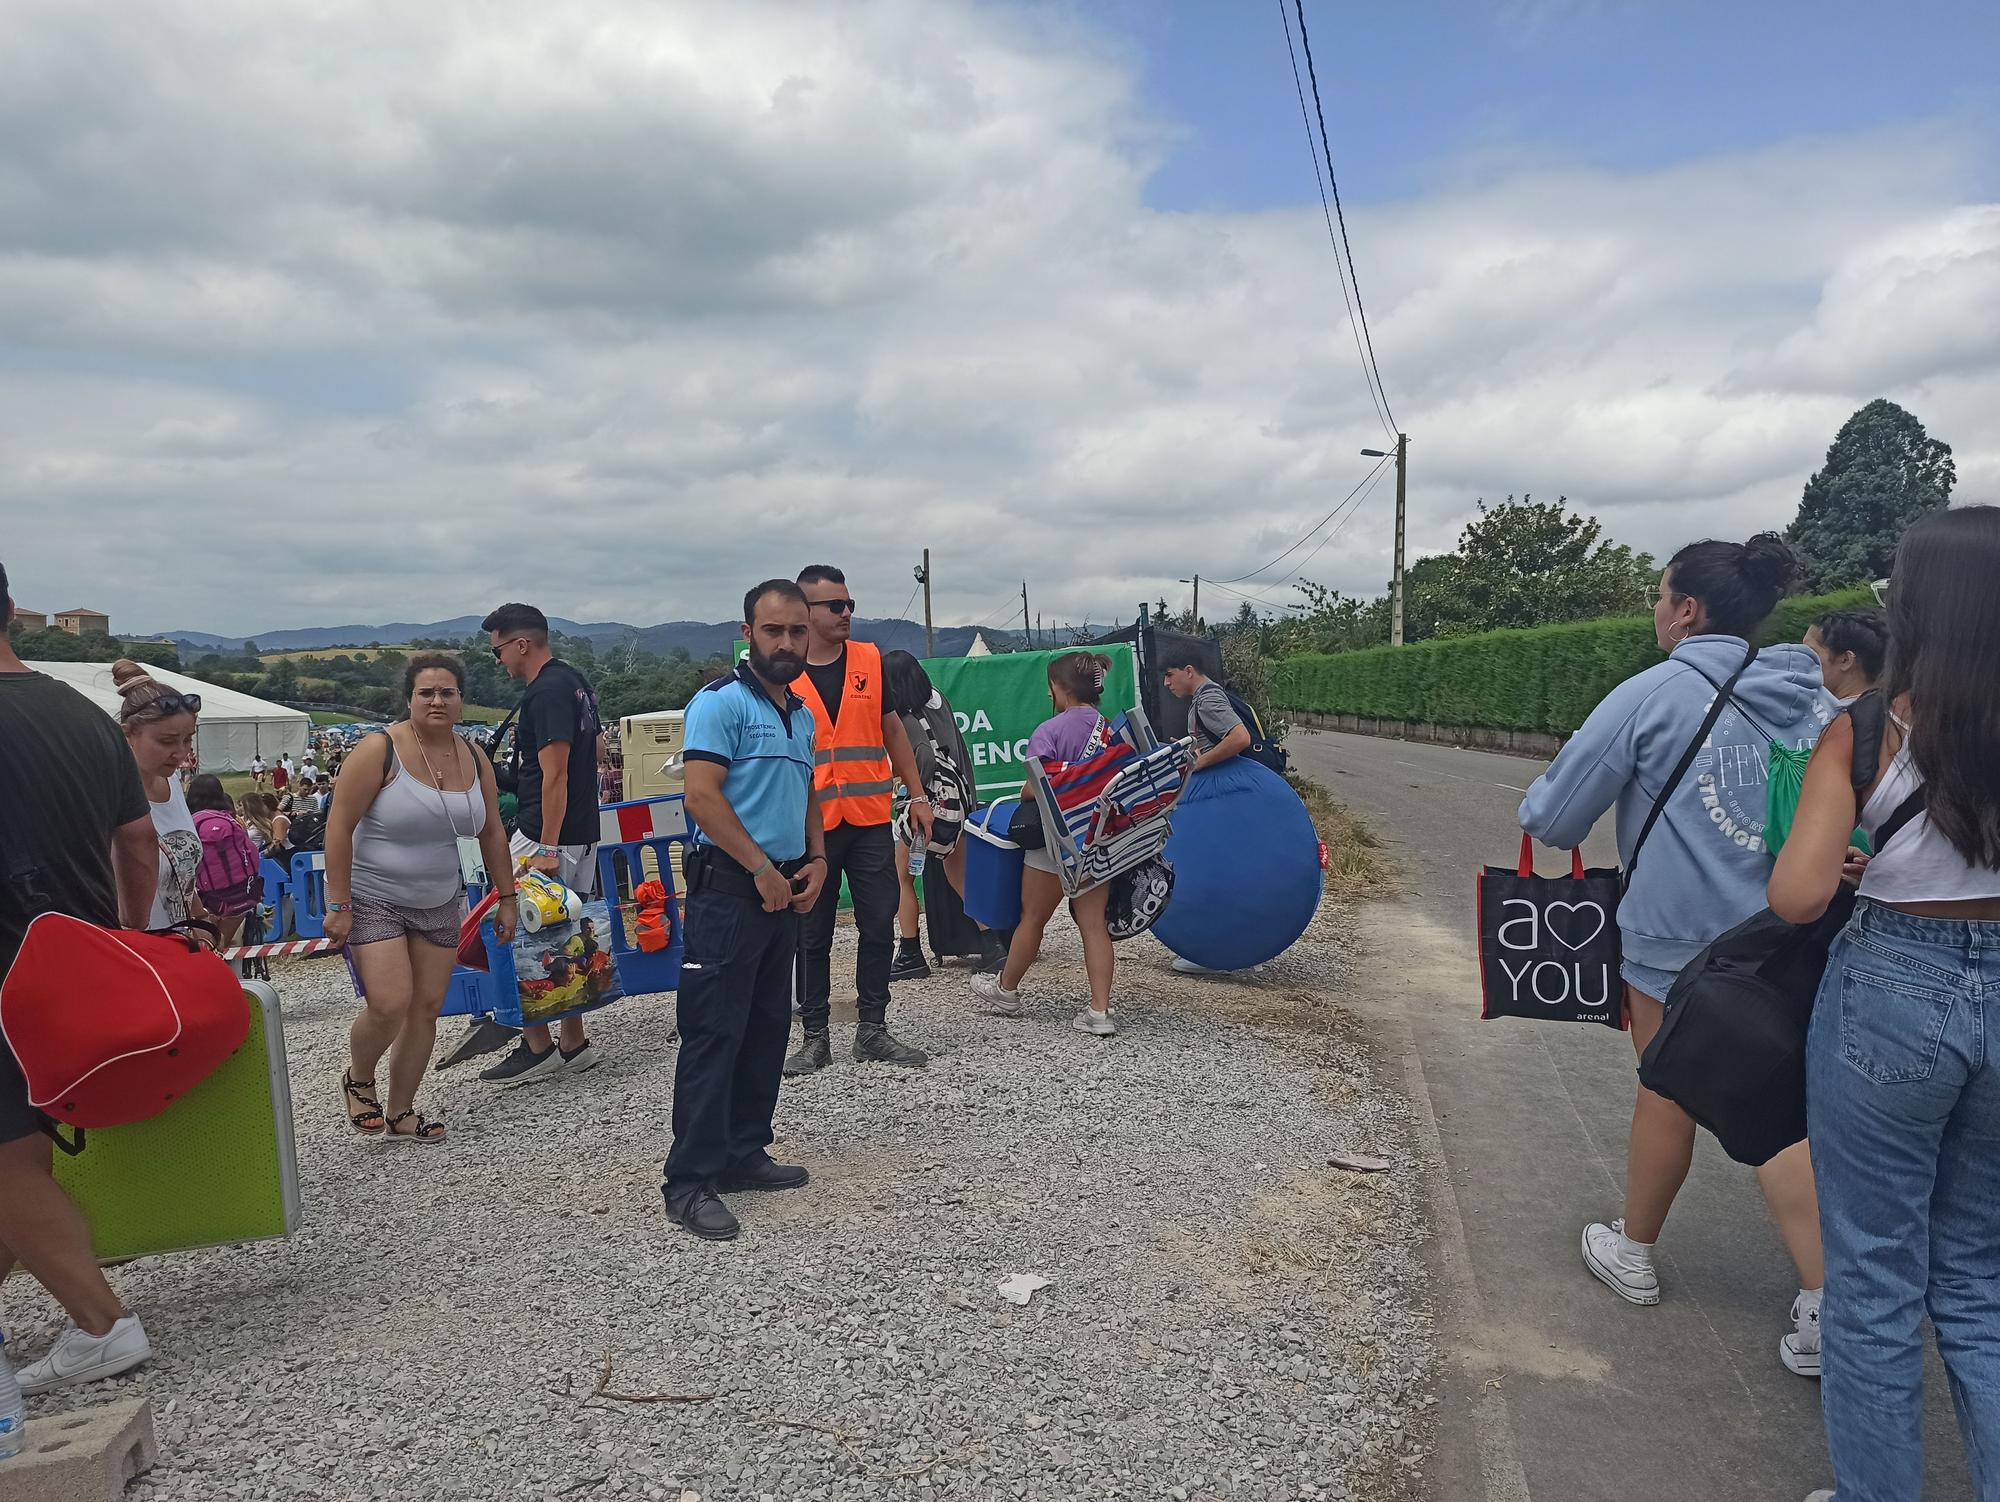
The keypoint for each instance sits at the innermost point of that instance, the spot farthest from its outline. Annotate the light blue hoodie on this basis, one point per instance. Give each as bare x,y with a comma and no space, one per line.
1704,867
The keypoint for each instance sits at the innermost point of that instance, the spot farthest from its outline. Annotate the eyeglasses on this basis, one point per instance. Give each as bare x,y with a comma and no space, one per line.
436,695
838,607
503,646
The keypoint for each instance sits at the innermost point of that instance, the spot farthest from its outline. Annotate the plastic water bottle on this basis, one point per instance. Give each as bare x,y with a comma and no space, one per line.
918,851
13,1408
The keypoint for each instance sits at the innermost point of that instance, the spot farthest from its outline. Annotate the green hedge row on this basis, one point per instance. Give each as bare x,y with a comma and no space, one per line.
1545,678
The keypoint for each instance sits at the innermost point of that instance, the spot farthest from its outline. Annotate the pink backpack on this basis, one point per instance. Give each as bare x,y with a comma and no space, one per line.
230,878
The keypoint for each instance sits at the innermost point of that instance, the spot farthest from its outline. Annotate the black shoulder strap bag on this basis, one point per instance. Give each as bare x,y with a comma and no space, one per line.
1731,1051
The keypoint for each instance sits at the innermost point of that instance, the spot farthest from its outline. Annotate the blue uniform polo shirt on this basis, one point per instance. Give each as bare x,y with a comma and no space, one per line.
768,751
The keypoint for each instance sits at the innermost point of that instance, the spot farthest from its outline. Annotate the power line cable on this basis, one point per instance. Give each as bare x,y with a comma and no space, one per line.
1352,511
1306,536
1326,212
911,601
1359,309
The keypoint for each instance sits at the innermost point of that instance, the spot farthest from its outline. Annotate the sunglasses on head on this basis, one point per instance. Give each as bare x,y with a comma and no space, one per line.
172,704
838,607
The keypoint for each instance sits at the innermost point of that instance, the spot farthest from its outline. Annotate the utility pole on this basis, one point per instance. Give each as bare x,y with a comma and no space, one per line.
1396,586
924,575
1027,621
1197,603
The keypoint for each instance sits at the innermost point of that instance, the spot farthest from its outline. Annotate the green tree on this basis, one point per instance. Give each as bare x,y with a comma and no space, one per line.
1882,472
282,681
1525,563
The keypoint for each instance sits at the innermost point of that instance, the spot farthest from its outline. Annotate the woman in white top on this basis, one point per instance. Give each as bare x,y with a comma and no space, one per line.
159,725
1902,1079
395,890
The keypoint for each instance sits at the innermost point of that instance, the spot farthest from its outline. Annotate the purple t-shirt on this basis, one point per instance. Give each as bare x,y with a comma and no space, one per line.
1065,737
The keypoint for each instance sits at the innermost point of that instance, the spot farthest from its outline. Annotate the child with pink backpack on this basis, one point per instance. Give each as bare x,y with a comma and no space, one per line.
230,878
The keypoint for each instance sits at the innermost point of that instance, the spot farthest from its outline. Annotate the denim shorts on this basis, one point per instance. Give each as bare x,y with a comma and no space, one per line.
1646,980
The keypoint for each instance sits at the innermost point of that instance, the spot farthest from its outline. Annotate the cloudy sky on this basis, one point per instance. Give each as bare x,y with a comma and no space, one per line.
378,311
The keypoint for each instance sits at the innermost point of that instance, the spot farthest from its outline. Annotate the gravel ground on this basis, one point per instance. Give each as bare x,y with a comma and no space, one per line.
1226,1316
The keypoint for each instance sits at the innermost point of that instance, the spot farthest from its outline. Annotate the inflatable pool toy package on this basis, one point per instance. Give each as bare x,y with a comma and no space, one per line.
564,963
1246,865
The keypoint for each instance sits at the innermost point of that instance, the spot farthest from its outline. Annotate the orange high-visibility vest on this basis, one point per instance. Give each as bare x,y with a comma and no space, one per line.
851,770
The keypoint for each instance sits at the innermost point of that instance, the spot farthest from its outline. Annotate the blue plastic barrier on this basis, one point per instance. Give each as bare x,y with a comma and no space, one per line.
619,870
468,995
308,893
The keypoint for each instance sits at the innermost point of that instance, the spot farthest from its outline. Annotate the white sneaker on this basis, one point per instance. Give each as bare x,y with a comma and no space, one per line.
1623,1265
1097,1024
1822,1495
586,1057
994,997
81,1357
1189,967
1800,1349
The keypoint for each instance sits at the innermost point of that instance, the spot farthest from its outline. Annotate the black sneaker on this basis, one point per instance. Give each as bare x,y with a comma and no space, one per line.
700,1213
875,1044
523,1066
760,1173
992,952
813,1054
909,963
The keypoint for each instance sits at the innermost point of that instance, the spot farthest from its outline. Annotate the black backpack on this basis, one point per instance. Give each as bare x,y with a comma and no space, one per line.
1262,749
308,831
1731,1051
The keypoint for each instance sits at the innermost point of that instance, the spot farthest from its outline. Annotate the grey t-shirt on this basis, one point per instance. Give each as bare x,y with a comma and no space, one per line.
1211,717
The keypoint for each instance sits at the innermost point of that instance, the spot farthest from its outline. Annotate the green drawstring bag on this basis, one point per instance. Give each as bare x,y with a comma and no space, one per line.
1781,794
1781,799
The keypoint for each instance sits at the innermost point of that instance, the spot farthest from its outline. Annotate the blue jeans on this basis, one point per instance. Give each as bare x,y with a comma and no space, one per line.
1904,1106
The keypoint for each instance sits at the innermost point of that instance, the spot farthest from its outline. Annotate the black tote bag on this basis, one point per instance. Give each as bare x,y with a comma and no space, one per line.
1548,945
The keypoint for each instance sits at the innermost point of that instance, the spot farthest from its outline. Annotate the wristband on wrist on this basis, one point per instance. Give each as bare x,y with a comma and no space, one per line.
817,855
761,869
339,907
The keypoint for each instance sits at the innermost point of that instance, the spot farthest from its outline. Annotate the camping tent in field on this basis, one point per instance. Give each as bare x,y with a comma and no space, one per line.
234,726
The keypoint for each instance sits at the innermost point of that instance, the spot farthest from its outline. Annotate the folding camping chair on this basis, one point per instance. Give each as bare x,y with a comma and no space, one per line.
1115,806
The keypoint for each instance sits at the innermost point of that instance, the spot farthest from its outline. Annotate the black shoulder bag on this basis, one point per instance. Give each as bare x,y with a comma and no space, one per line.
1732,1049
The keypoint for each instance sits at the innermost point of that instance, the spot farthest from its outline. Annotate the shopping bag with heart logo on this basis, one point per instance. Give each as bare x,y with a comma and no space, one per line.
1548,946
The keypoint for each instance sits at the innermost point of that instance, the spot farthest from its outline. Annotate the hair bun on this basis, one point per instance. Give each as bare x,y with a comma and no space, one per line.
130,678
1770,562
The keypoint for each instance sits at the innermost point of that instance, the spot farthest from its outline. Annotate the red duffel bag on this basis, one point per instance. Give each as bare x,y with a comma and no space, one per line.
115,1025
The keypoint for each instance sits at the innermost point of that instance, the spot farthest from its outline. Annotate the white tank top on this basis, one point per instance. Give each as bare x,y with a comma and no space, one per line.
1919,864
406,845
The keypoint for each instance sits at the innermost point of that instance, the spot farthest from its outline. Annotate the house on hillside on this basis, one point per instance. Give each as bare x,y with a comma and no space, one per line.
83,622
31,620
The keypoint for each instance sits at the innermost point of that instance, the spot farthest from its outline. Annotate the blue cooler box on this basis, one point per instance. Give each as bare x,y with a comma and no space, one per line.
993,868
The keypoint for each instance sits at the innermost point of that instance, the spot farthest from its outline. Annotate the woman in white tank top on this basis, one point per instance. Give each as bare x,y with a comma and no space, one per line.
395,890
1902,1078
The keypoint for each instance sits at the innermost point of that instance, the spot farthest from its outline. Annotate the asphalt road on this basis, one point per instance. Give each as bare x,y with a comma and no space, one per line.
1555,1388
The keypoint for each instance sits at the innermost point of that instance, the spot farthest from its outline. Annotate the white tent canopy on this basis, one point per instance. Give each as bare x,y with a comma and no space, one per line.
233,727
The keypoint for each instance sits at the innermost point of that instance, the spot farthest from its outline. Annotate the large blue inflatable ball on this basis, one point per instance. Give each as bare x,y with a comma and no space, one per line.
1246,868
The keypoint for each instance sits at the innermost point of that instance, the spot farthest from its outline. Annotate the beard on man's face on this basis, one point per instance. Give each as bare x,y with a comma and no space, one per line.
780,667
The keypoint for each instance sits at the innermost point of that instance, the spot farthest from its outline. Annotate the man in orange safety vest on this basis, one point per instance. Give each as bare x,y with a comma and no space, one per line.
860,750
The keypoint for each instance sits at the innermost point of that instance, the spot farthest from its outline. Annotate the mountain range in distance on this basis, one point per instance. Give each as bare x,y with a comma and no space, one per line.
702,640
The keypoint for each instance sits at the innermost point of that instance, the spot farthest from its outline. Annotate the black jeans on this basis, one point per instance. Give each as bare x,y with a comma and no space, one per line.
867,856
735,1010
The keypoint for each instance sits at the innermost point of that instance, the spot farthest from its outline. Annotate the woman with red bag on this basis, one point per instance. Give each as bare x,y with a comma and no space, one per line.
395,889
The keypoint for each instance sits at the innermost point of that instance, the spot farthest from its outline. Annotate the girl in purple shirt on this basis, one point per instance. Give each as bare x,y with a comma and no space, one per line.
1076,684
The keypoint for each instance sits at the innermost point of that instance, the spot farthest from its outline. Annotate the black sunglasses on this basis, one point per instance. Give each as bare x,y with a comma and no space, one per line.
838,607
496,651
170,703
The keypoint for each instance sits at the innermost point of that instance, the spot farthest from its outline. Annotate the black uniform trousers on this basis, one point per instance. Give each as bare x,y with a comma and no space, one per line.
735,1010
866,855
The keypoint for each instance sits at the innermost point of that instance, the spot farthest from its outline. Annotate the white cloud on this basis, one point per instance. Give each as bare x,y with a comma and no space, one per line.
374,311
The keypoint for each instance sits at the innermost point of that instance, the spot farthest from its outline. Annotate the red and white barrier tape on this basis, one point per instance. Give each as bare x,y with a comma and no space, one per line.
273,951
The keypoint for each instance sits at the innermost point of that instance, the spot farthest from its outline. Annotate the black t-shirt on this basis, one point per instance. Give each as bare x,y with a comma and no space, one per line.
830,678
70,783
559,706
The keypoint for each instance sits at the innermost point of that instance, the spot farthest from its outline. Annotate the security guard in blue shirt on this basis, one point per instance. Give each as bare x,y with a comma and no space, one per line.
758,861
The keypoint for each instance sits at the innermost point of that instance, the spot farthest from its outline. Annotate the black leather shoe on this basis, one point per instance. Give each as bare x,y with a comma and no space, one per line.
761,1173
909,962
700,1213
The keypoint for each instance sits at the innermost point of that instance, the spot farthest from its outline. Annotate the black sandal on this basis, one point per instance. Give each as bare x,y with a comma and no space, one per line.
362,1093
428,1133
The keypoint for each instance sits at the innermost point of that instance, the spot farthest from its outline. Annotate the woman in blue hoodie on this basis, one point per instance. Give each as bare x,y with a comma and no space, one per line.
1703,869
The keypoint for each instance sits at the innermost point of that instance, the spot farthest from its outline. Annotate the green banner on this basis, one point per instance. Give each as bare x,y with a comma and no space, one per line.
999,701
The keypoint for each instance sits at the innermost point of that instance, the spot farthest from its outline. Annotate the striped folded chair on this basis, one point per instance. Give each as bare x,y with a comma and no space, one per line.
1115,805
